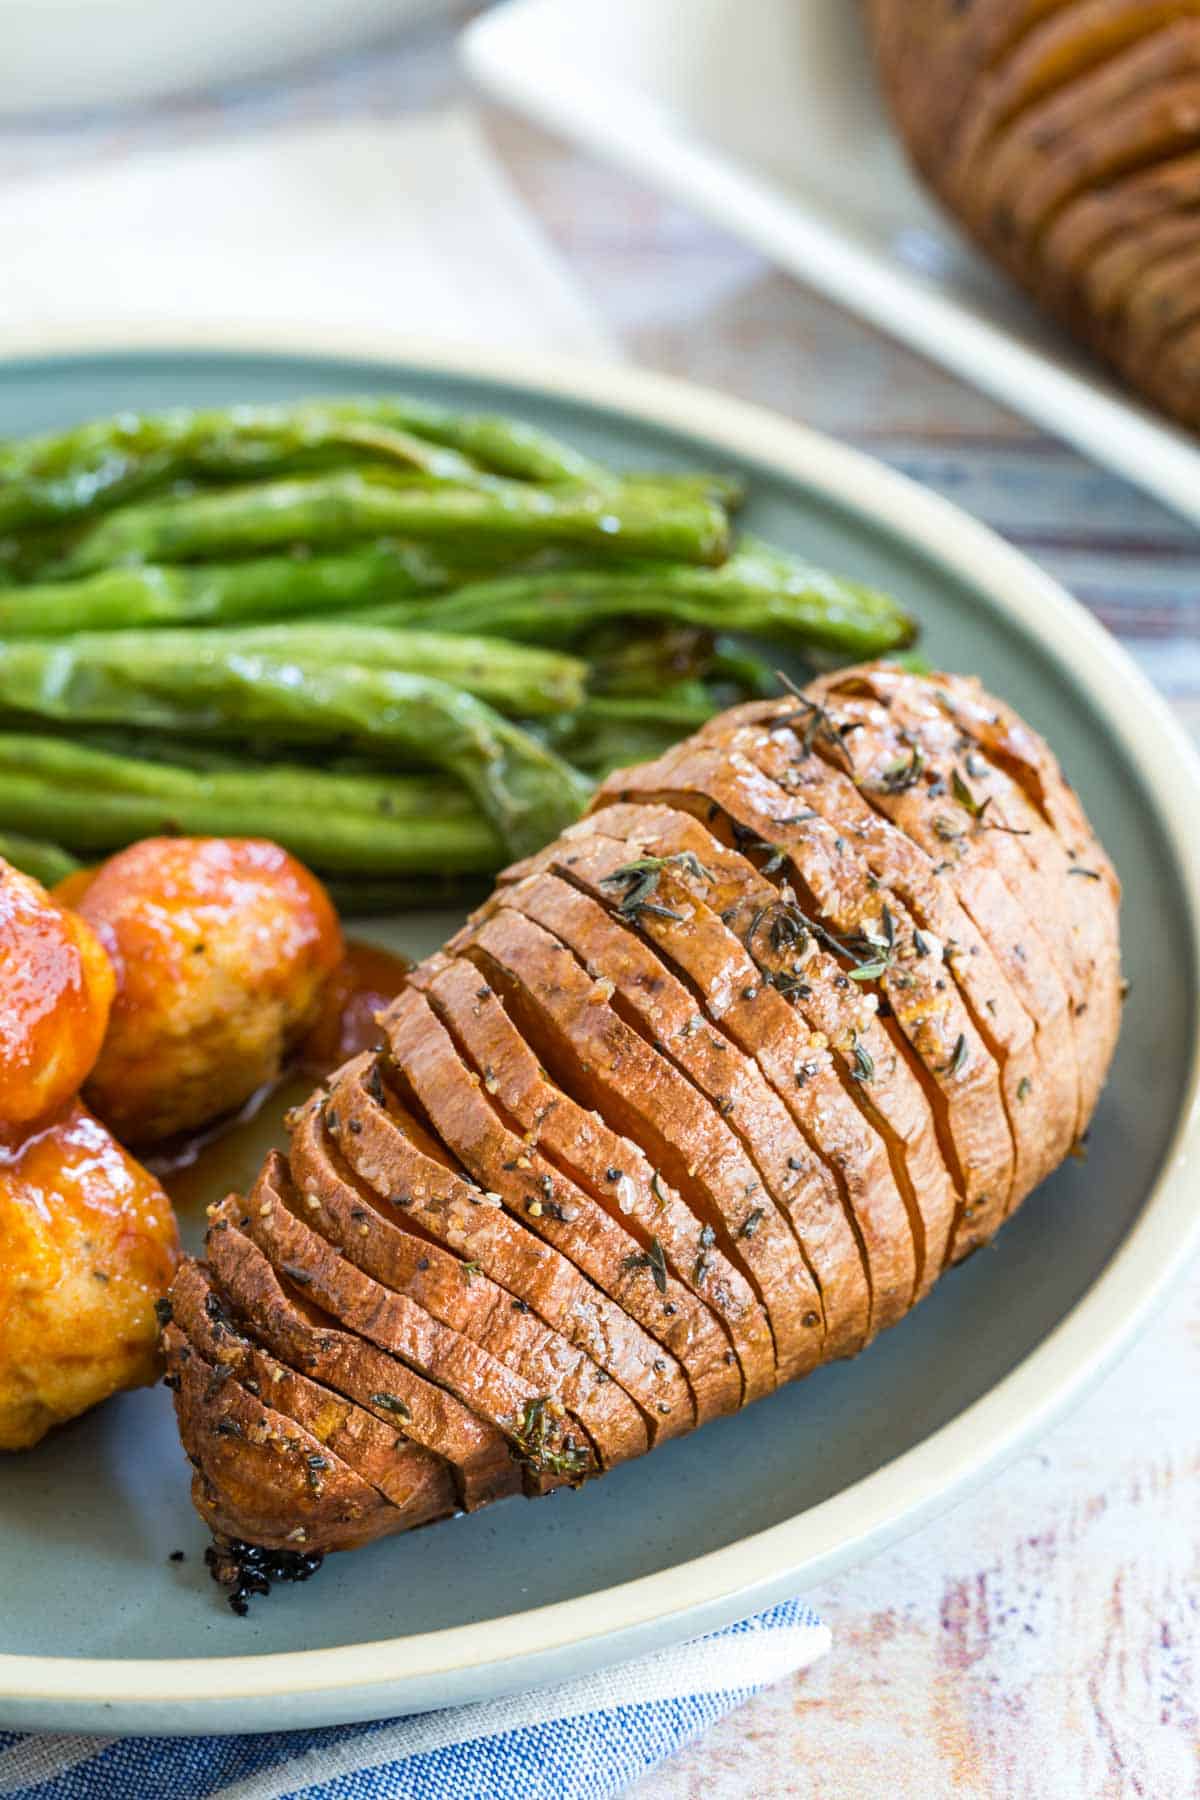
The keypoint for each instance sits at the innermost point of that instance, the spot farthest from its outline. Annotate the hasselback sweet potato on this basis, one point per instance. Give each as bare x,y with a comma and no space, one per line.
710,1091
1064,137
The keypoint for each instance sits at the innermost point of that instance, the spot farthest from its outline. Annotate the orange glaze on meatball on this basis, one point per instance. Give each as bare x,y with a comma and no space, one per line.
222,948
89,1245
56,988
364,982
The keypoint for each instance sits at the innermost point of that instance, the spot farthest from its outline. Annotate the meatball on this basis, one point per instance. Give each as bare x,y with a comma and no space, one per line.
222,948
89,1246
55,996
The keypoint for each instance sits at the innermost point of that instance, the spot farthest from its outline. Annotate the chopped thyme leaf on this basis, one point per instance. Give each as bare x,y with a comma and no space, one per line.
864,1062
965,797
391,1403
787,930
751,1223
870,971
816,724
534,1441
876,955
658,1265
904,773
1023,1088
958,1058
1089,874
652,1259
641,880
654,909
752,930
789,985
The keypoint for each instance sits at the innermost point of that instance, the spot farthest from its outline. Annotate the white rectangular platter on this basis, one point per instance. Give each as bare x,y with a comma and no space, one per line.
764,115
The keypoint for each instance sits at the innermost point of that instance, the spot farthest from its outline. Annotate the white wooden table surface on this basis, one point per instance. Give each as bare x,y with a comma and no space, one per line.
1042,1642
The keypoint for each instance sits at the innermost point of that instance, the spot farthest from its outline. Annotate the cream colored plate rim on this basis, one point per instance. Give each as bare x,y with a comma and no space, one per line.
727,1583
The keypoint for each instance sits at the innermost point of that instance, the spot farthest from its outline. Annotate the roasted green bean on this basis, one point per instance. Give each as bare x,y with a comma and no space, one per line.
47,863
93,467
635,518
380,826
527,792
122,599
759,591
518,679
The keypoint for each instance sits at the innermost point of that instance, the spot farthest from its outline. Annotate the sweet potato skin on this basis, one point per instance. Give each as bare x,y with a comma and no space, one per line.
297,1334
1047,137
412,1479
259,1475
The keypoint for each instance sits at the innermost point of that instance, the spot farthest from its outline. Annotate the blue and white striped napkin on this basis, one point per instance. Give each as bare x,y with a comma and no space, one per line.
583,1740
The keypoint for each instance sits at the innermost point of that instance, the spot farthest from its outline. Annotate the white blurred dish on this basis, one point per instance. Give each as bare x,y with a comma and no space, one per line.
57,54
764,115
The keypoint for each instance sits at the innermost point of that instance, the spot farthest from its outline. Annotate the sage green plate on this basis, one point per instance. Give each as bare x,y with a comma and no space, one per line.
100,1632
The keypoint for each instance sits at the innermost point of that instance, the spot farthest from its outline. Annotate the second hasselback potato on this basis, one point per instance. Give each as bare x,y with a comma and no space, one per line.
710,1091
1066,138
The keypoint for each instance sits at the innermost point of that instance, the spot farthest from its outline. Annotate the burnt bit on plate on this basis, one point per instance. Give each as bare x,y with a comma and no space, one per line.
249,1569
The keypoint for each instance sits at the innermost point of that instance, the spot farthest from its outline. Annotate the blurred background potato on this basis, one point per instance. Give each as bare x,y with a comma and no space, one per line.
1064,135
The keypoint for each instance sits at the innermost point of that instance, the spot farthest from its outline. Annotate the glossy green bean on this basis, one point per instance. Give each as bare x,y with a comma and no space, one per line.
124,599
528,793
758,591
636,518
46,862
372,825
66,475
